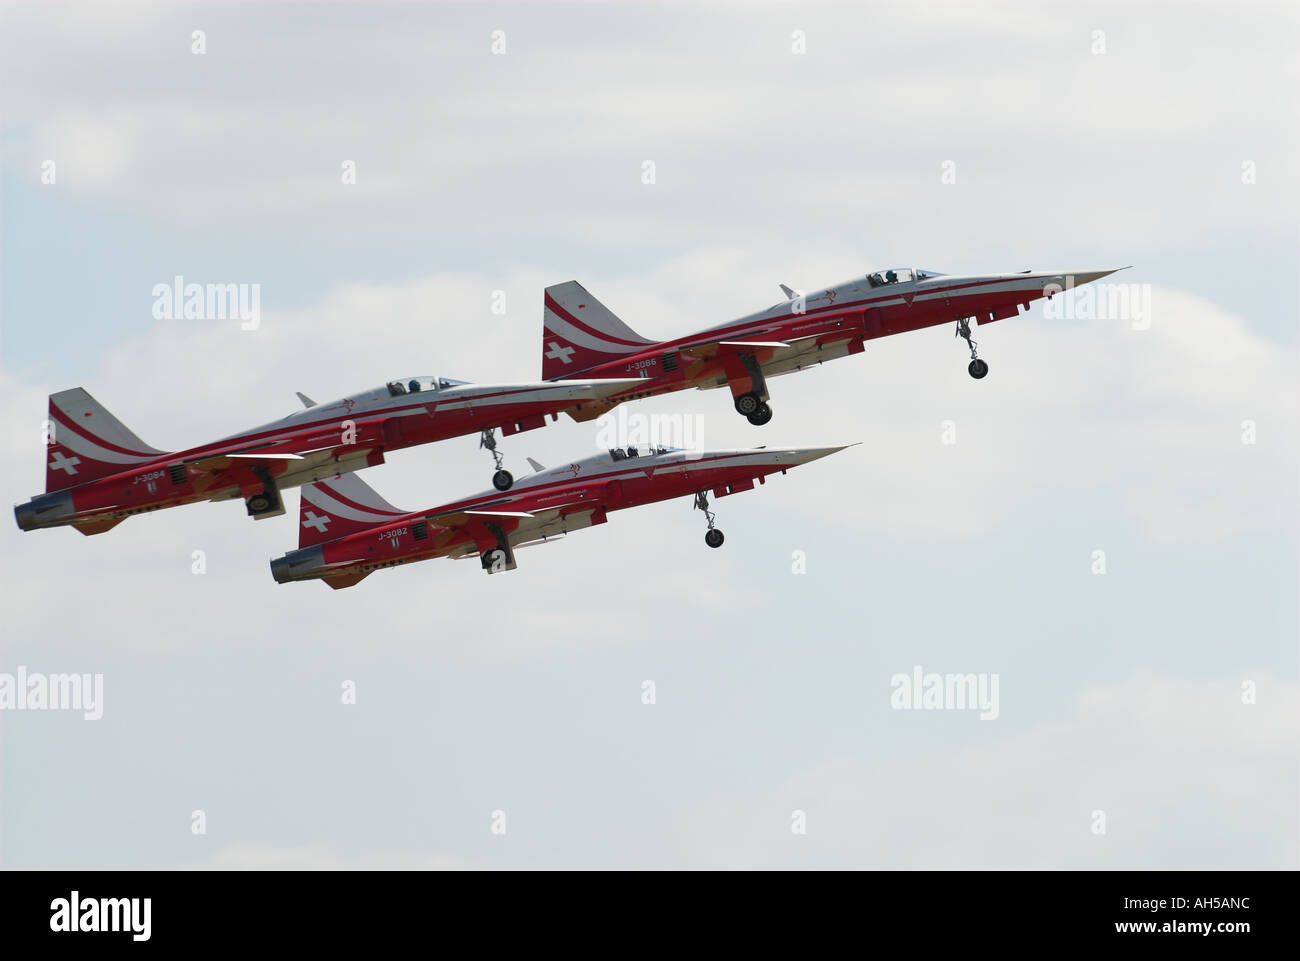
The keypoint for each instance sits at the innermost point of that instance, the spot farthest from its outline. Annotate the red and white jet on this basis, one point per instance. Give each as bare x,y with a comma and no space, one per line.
346,530
98,473
582,338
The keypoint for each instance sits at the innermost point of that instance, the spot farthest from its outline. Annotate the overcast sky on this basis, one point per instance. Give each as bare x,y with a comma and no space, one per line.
1074,136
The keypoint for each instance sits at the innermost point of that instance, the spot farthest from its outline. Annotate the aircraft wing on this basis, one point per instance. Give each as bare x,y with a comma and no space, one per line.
734,348
783,355
521,527
311,446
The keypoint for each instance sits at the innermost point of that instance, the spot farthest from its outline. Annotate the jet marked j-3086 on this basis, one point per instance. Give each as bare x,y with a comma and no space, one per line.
582,338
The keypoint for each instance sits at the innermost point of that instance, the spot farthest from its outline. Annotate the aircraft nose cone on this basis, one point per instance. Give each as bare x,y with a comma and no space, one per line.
805,455
1082,277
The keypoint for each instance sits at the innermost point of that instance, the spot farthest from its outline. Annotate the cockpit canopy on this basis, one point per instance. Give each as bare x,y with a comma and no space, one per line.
900,275
414,385
617,453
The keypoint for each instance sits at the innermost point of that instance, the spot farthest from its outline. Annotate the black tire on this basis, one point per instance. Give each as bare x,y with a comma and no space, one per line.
713,537
503,480
259,504
977,369
761,416
746,404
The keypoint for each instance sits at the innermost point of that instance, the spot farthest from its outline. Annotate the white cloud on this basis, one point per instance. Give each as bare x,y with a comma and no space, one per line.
88,151
1185,773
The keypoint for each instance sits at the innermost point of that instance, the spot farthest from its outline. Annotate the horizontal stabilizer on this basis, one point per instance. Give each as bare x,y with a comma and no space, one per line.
340,581
97,525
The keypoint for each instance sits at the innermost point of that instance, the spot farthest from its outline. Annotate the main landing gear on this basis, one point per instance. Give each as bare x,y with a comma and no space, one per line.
713,537
753,409
266,502
976,368
502,480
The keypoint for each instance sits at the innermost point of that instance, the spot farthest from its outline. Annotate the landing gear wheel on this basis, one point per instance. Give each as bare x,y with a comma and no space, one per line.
761,416
502,480
748,404
713,537
977,368
259,504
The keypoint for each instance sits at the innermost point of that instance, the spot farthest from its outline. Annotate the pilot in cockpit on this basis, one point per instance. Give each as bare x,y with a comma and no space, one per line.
414,386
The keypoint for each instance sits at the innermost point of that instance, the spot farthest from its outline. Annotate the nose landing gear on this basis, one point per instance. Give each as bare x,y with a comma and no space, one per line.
976,368
713,537
502,480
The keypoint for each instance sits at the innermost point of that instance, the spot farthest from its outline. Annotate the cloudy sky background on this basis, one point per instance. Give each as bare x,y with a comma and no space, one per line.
522,693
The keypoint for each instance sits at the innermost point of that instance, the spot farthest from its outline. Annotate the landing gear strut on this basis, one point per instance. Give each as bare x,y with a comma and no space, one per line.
976,368
502,480
713,537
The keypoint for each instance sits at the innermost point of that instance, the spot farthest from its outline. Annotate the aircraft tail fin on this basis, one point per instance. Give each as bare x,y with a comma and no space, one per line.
579,332
86,442
339,507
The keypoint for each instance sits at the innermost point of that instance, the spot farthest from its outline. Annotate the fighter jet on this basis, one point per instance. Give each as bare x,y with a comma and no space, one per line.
582,338
98,473
347,531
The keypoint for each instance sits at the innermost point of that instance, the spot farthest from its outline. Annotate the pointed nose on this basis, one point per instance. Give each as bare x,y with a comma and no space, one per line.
805,455
1082,277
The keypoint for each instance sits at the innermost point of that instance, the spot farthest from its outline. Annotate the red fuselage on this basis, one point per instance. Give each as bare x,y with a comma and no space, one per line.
541,506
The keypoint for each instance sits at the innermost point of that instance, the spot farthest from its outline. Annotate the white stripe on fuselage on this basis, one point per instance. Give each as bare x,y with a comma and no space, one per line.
604,470
854,297
452,398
